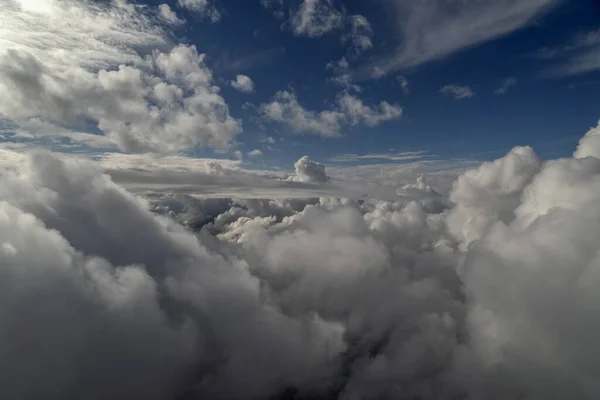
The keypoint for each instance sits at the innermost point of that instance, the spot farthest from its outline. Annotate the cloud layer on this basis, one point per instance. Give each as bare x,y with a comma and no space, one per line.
491,295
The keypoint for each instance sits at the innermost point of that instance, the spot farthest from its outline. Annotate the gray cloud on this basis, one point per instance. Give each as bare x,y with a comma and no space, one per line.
333,297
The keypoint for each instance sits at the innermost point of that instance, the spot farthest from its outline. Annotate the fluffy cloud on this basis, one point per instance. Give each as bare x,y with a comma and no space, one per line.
458,92
310,171
255,153
491,295
165,101
243,83
350,110
589,145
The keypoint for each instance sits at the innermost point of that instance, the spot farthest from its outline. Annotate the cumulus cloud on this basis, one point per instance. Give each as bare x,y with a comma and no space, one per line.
350,110
310,171
458,92
507,84
243,83
433,29
492,294
255,153
162,101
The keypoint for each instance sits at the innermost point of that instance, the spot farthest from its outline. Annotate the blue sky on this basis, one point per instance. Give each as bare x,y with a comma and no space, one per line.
452,57
546,113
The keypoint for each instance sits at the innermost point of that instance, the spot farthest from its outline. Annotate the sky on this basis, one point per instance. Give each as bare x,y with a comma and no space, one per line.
347,83
299,200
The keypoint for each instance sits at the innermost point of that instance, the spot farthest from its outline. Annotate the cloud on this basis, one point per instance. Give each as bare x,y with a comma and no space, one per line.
205,8
229,63
359,35
310,171
507,84
589,145
169,15
350,110
403,84
579,56
163,101
276,7
314,18
408,155
434,29
458,92
255,153
243,83
491,294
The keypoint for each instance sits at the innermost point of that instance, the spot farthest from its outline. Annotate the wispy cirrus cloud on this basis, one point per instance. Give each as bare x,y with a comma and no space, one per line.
580,55
507,84
430,30
403,156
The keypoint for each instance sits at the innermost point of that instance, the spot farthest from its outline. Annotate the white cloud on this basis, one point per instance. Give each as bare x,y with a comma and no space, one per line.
107,33
255,153
433,29
169,15
67,75
507,84
492,295
356,112
168,105
458,92
350,110
314,18
243,83
310,171
286,109
589,145
205,8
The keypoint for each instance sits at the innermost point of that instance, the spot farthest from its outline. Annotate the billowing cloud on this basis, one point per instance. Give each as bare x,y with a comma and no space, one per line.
243,83
350,110
458,92
162,101
310,171
492,294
